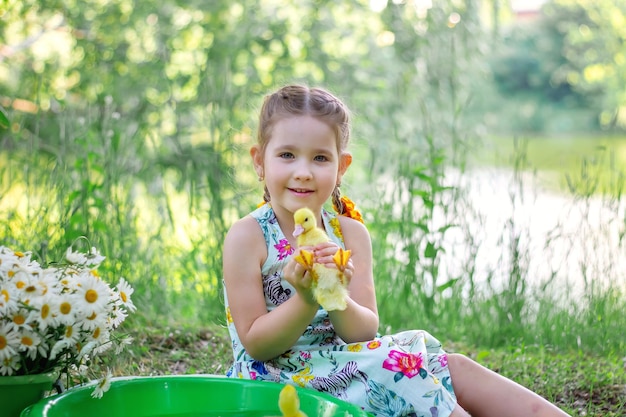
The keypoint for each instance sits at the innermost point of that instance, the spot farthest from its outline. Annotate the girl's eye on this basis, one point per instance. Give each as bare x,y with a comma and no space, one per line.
320,158
286,155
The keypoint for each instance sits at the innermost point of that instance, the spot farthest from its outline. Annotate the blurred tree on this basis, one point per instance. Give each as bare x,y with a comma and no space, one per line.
594,46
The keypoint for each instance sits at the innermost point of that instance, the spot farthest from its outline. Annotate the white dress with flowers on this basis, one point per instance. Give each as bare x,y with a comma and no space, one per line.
404,374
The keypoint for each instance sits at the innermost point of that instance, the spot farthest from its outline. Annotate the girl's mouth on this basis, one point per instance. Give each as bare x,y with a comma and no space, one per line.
300,191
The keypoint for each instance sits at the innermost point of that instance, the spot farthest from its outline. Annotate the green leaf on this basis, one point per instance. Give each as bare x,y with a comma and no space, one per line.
430,251
445,228
447,284
4,119
398,376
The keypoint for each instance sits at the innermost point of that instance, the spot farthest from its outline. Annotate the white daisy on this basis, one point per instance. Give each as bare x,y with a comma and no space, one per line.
30,343
103,385
19,319
65,312
91,321
8,299
116,317
125,291
68,279
122,343
85,351
92,293
71,340
77,258
9,365
42,313
92,258
9,341
100,334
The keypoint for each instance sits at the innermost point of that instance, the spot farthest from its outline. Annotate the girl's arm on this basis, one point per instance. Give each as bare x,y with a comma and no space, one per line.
263,334
359,321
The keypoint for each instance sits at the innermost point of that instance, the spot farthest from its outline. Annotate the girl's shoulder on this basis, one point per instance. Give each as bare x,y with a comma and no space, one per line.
246,234
353,229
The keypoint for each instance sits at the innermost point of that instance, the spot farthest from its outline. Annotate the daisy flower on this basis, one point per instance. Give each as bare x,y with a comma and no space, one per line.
92,258
125,291
59,318
42,311
116,317
65,311
30,343
18,319
8,299
103,385
9,340
92,293
9,365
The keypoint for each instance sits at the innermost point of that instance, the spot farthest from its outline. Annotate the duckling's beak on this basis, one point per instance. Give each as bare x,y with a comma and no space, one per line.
298,231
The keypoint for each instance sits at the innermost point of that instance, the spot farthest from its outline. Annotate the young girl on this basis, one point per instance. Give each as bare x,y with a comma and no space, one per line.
280,333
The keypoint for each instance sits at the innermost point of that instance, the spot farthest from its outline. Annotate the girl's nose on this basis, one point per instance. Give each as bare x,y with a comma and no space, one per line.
303,172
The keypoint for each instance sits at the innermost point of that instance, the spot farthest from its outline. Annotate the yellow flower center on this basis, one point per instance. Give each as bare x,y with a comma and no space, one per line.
18,254
123,296
91,296
5,294
3,342
69,330
45,311
30,288
19,284
96,333
27,341
19,319
65,308
93,316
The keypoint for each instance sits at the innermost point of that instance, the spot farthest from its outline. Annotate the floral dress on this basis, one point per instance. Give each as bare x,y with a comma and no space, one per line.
405,374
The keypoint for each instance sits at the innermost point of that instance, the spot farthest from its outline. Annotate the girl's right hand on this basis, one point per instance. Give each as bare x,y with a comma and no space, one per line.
300,278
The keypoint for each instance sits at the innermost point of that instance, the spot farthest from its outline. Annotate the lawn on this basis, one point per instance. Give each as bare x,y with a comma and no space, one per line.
583,384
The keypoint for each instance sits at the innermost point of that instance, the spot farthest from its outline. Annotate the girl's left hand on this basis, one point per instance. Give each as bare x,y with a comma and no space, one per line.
324,253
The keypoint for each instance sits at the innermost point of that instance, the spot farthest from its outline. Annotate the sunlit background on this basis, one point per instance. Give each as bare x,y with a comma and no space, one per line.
489,141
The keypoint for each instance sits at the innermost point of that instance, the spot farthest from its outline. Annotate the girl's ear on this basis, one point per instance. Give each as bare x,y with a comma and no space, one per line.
344,162
257,159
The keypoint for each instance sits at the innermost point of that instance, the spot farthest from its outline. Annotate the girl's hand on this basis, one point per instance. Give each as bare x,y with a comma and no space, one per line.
298,276
324,253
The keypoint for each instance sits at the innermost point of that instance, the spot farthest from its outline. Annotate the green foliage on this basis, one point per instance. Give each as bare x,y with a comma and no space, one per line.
594,45
128,122
571,58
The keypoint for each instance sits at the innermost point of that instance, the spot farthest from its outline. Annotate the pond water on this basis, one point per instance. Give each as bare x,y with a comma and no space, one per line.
575,243
562,243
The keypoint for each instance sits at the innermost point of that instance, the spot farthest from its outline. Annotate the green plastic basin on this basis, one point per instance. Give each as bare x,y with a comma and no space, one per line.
185,396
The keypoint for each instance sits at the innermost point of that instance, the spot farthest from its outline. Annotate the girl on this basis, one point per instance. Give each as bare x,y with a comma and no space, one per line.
280,333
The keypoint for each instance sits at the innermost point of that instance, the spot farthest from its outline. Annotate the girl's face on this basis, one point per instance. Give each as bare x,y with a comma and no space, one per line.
300,164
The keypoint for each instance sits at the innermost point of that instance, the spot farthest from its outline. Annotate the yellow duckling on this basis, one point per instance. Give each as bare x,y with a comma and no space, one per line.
289,403
329,284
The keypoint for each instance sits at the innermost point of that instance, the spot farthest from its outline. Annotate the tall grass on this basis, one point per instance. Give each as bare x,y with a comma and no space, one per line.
157,214
155,185
564,287
158,221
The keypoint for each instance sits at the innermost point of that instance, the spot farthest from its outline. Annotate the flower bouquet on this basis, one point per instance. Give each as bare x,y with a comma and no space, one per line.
59,318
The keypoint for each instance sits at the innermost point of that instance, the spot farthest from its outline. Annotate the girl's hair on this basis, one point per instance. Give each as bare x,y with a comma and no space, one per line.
298,100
